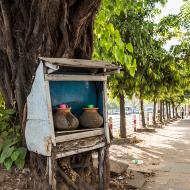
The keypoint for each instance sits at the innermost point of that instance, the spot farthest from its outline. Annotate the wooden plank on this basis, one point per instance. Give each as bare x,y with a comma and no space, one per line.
101,168
50,115
106,127
73,152
79,63
78,144
75,131
61,77
51,66
81,135
109,72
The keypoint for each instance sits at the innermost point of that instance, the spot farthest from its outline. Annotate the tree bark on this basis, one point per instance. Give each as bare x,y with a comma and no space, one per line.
167,111
169,105
173,110
40,28
154,112
161,112
33,28
142,113
122,117
176,112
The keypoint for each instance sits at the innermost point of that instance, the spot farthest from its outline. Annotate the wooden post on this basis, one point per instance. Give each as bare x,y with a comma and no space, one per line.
106,168
50,114
52,172
106,128
101,168
135,123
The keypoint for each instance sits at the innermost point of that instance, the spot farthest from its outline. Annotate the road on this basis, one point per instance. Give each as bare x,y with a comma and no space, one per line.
172,145
129,121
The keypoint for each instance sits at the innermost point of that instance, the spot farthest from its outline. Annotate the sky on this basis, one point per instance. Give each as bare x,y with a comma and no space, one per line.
172,7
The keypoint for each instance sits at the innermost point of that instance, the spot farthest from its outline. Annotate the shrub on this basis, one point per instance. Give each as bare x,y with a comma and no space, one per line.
11,151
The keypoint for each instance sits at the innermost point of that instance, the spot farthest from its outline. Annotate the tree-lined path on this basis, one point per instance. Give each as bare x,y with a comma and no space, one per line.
172,145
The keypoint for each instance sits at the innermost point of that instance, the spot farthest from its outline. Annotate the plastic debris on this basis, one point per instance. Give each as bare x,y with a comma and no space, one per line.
138,162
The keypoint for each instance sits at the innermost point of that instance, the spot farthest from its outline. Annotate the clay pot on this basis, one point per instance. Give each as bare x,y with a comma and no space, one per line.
91,118
65,120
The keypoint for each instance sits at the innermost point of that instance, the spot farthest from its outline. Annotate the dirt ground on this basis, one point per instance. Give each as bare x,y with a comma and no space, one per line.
166,154
14,179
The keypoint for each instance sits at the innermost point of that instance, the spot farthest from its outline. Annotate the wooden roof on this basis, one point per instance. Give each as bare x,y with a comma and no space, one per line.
80,63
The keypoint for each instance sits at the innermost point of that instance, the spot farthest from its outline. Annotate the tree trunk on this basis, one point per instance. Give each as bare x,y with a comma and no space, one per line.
142,112
33,28
154,113
38,28
176,112
173,110
167,111
122,117
170,116
161,112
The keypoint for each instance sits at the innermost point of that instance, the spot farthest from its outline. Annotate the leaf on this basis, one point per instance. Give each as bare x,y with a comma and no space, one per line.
118,53
132,71
20,163
9,111
15,155
9,142
135,63
8,163
129,47
22,151
6,153
130,59
110,27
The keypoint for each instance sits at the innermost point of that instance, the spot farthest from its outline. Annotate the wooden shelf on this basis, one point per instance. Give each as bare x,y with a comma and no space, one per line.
77,151
66,136
65,132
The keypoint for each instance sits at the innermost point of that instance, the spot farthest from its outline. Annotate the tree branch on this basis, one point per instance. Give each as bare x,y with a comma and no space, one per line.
82,13
8,35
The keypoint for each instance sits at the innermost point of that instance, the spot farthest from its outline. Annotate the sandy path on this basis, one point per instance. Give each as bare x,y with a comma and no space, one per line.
166,152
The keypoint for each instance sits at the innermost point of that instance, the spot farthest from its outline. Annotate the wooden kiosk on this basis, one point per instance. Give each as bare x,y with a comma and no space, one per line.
77,83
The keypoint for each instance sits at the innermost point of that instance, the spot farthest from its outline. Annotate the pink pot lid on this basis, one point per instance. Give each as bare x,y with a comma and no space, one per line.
63,106
68,108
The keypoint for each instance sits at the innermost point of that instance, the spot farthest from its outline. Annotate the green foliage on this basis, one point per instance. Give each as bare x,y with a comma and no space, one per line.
109,44
185,14
176,77
11,151
126,35
123,35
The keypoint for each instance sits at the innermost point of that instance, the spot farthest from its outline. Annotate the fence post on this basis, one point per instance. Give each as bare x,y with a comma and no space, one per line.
135,123
110,125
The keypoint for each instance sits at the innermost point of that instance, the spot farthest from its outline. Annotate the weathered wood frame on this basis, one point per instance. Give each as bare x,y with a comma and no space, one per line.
84,134
60,77
55,145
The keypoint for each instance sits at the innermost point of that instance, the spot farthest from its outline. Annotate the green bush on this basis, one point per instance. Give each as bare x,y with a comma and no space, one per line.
11,151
